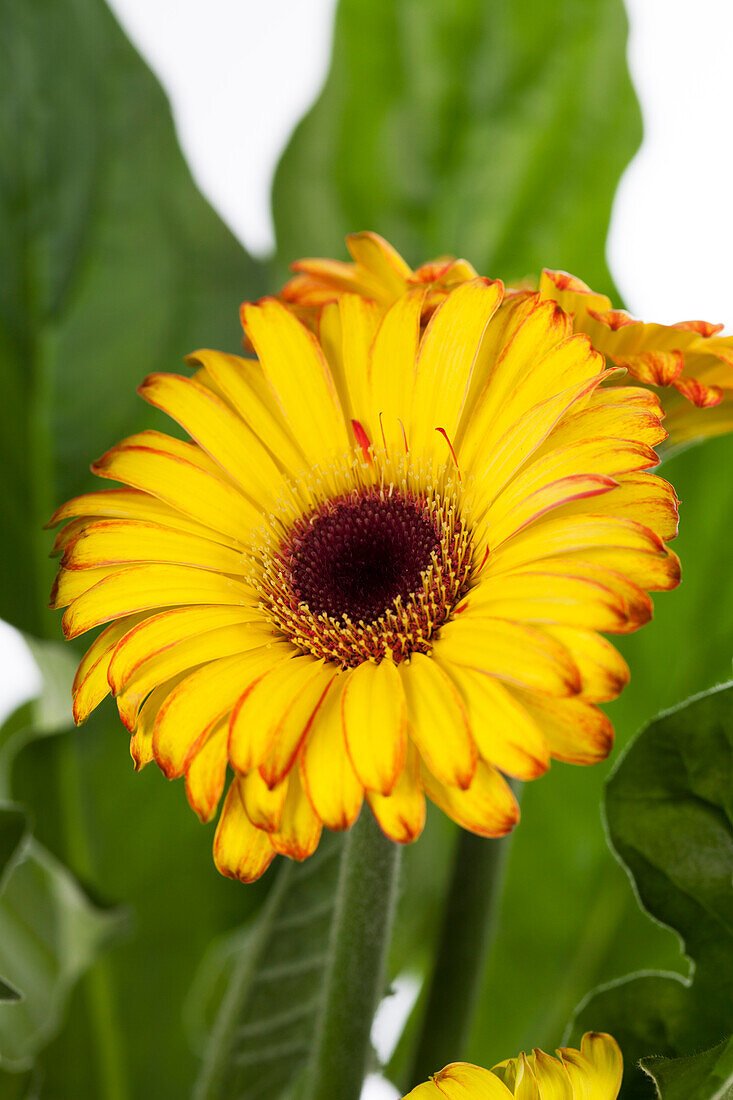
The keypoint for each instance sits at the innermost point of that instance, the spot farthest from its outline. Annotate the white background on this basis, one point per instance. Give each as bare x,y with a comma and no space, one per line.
240,73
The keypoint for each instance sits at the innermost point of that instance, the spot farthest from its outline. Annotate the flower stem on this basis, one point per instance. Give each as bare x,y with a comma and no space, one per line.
469,920
359,940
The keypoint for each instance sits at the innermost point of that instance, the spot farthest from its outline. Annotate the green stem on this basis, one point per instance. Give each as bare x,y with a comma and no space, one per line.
359,940
469,921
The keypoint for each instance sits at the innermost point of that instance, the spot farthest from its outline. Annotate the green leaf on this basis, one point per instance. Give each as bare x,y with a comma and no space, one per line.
669,807
113,267
13,825
706,1076
265,1024
496,132
49,934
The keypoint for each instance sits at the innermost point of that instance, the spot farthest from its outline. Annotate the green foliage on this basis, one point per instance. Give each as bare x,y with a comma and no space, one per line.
13,825
49,934
263,1030
113,267
492,131
706,1076
496,131
670,818
50,931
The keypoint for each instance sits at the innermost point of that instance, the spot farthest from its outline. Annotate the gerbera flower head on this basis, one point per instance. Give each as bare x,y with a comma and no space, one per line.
380,569
689,364
592,1073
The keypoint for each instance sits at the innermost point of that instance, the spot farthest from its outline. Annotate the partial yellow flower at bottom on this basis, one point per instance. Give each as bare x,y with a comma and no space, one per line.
592,1073
689,364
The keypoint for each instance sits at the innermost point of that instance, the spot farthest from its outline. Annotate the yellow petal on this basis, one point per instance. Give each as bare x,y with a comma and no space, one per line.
295,723
380,259
526,1086
401,814
504,733
569,368
642,497
585,533
90,685
523,437
426,1091
127,504
611,420
539,597
148,587
374,715
70,584
305,393
575,731
463,1081
131,685
198,702
359,321
114,541
245,387
182,481
145,639
604,1055
513,512
438,722
513,352
206,773
326,771
240,850
300,828
448,352
264,806
487,807
552,1078
141,741
603,671
269,708
634,601
587,459
219,431
392,372
519,654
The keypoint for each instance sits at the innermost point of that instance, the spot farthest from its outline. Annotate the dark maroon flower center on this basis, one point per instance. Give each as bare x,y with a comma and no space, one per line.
360,553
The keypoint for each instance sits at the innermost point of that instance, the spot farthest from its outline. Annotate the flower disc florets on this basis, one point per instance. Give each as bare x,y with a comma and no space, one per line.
372,569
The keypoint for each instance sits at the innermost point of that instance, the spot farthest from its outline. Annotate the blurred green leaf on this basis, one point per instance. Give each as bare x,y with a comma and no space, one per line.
669,807
266,1019
496,132
49,934
132,840
13,824
8,992
113,266
706,1076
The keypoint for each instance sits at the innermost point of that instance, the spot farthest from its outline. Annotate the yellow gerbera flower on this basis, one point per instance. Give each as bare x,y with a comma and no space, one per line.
592,1073
379,570
689,362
